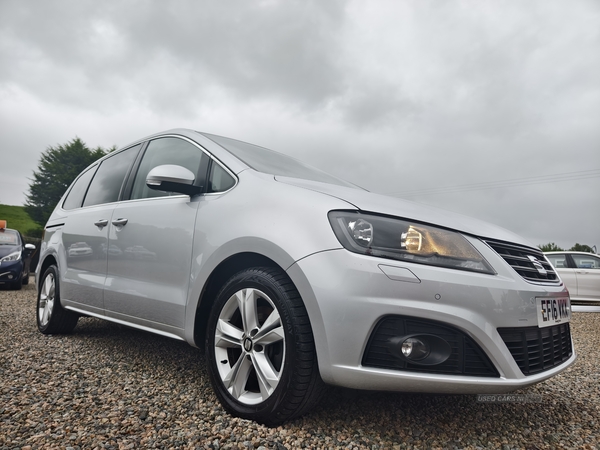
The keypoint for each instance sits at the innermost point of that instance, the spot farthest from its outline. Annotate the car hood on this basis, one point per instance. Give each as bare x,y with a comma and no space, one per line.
383,204
8,249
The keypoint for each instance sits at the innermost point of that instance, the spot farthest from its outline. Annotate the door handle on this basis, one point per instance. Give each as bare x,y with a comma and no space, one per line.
119,222
101,223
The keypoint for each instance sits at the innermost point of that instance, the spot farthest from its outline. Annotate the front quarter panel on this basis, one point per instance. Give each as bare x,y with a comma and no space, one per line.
280,222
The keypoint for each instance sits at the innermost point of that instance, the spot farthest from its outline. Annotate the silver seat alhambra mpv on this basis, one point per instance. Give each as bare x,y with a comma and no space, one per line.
291,279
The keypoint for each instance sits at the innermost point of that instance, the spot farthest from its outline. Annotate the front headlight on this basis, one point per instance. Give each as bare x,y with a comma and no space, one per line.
385,237
14,256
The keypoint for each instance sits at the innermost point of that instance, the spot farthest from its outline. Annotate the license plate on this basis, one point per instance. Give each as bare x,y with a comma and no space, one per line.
552,311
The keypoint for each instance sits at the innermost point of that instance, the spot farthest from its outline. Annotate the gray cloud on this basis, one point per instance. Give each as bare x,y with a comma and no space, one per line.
392,95
174,52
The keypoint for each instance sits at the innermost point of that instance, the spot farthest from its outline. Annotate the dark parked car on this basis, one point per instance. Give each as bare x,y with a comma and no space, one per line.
15,258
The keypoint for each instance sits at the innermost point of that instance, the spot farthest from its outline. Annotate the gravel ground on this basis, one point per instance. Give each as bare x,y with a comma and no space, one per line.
107,386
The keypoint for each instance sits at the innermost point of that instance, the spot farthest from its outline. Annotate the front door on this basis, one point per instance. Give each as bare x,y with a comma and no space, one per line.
588,276
149,258
150,243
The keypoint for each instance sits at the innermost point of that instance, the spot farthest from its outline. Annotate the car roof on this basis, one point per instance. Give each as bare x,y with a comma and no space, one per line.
227,158
217,151
570,253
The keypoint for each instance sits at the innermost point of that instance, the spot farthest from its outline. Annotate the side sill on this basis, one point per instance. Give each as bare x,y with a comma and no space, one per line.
123,322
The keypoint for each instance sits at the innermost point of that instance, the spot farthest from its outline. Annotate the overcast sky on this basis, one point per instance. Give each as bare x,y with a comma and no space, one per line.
487,108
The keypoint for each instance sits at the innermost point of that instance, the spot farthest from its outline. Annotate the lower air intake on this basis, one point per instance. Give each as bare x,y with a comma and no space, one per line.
466,357
538,349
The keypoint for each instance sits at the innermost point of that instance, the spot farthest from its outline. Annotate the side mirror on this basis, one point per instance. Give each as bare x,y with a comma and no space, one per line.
171,178
29,247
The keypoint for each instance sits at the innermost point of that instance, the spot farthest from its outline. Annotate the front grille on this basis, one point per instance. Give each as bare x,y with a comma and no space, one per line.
538,349
519,258
466,358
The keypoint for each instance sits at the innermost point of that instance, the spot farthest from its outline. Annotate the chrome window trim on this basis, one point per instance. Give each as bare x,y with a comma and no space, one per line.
98,162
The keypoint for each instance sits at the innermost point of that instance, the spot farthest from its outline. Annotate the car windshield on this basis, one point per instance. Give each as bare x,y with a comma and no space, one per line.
9,237
268,161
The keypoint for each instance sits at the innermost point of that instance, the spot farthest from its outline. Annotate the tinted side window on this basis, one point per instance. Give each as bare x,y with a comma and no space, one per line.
220,180
168,151
75,197
107,182
558,261
586,262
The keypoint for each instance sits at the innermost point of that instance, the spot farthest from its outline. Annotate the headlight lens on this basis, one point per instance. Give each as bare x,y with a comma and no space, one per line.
14,256
386,237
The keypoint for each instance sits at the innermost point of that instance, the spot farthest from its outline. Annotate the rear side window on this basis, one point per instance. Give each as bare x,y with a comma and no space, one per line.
75,197
558,261
107,182
168,151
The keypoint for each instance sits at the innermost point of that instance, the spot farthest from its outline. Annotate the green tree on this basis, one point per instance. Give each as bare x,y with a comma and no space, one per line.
581,248
550,247
57,169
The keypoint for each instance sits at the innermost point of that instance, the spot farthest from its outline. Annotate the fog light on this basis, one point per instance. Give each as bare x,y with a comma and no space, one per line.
415,349
10,277
421,349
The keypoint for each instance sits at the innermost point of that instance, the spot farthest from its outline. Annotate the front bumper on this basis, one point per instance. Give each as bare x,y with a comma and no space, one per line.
346,295
10,271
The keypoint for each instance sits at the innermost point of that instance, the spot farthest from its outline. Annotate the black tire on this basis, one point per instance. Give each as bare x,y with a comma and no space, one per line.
281,339
26,279
52,318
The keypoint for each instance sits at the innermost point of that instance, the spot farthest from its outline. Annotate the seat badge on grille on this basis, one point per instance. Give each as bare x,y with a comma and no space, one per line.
538,265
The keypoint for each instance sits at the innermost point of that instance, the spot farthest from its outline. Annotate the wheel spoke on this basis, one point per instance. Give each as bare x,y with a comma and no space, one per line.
275,335
271,331
47,313
42,313
49,286
52,289
235,380
247,305
267,377
227,335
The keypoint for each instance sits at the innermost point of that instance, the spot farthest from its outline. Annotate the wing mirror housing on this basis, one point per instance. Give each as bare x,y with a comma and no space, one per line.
171,178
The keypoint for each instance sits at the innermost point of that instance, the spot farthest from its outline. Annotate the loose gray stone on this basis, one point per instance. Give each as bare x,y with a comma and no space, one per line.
110,387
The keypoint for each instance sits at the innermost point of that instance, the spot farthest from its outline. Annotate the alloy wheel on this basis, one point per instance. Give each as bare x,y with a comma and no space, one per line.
46,303
249,346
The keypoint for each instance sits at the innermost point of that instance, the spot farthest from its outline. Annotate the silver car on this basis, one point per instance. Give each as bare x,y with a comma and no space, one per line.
291,279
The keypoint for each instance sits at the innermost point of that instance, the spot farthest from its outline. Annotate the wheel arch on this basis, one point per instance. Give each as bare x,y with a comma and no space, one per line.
48,261
225,270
